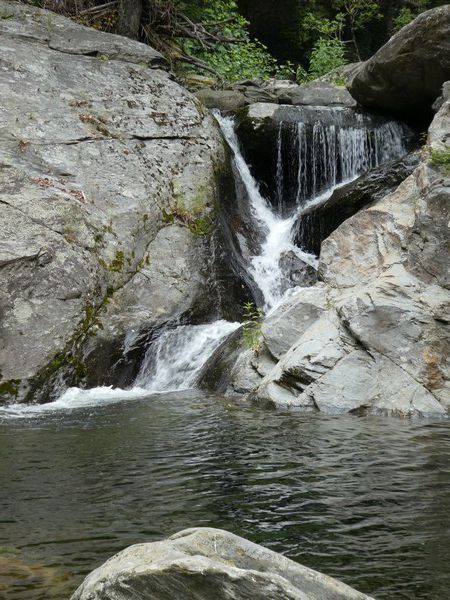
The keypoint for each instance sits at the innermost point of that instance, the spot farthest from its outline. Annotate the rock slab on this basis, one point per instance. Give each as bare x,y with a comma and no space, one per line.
205,564
109,179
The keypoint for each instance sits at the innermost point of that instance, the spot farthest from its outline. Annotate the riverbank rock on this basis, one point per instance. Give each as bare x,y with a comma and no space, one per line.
273,91
205,563
109,179
406,75
372,337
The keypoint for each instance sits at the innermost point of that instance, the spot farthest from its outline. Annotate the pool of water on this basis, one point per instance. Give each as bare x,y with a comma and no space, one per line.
366,500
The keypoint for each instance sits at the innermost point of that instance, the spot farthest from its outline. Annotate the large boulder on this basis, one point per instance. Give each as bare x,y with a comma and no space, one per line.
109,183
205,563
406,75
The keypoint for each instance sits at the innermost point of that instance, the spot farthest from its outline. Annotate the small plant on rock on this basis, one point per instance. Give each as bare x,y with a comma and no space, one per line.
440,158
251,327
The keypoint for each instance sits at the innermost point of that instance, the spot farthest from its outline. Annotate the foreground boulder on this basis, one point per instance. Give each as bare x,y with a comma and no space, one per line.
109,180
206,564
406,75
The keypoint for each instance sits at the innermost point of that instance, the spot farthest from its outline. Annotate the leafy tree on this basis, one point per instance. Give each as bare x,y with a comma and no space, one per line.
358,13
329,52
234,55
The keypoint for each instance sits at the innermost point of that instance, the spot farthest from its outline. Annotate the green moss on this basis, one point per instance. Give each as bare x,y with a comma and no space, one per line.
117,264
10,387
167,217
440,158
192,204
201,227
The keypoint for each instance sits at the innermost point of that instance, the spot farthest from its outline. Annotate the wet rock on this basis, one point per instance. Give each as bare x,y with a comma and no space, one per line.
205,563
108,185
317,222
296,271
406,75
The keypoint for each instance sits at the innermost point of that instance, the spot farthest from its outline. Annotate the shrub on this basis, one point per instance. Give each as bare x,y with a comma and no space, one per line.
251,327
327,55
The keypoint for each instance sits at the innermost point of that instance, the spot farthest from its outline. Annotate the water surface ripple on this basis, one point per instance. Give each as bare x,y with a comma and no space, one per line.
366,500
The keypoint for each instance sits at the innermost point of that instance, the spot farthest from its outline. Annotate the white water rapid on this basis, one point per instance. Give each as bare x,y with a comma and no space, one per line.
175,360
265,267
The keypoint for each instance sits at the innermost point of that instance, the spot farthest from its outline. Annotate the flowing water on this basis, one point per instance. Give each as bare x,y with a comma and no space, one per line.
178,355
278,235
313,159
364,499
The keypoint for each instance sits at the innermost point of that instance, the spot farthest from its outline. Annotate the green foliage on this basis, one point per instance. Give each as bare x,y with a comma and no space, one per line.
240,58
323,27
285,70
251,327
405,15
327,55
359,12
440,158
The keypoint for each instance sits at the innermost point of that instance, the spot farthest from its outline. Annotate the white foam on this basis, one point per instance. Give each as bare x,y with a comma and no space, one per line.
74,398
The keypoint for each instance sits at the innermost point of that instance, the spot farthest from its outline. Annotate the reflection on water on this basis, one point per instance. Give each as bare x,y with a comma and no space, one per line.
365,500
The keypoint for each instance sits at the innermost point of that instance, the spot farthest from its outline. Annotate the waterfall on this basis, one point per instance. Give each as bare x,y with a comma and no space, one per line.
175,360
314,156
278,232
327,155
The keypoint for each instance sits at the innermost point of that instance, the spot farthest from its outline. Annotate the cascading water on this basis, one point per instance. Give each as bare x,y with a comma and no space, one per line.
177,356
317,150
277,231
329,148
314,157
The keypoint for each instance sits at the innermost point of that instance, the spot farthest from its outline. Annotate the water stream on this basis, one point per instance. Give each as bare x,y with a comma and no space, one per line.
366,500
178,355
277,231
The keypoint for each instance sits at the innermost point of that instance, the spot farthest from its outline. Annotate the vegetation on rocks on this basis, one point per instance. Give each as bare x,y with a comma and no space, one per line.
251,327
440,158
237,39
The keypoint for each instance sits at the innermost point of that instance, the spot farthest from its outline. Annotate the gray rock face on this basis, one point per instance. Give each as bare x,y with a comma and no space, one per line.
108,183
205,563
373,336
223,100
318,93
405,76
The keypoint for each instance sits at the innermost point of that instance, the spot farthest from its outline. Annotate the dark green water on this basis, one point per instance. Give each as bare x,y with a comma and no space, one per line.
363,499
